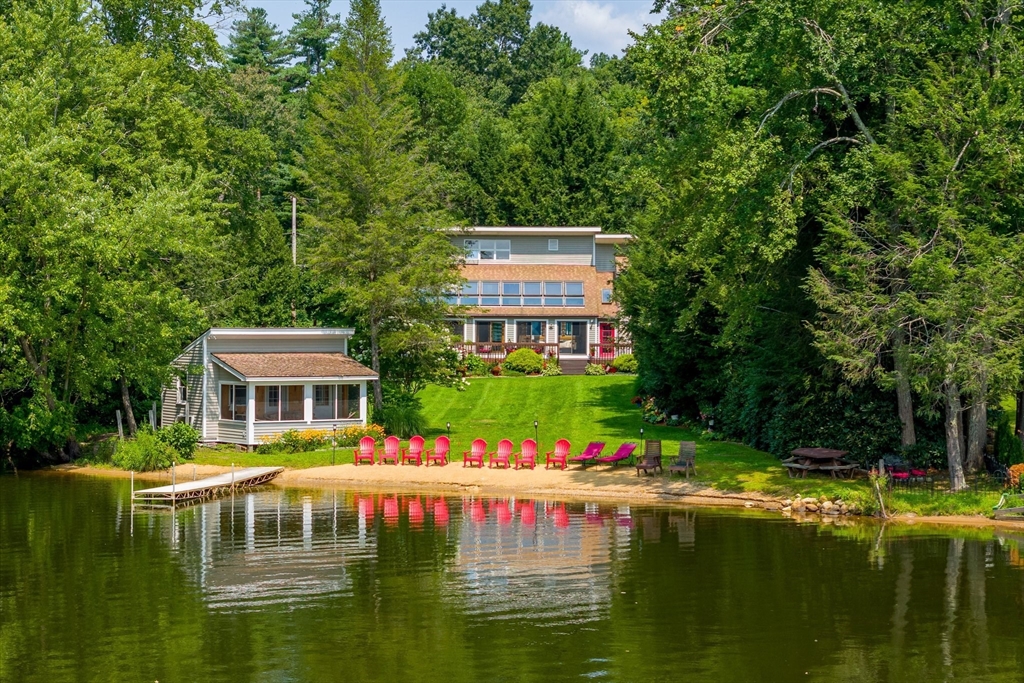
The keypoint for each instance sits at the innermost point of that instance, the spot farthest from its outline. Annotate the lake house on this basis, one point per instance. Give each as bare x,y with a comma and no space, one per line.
236,385
548,288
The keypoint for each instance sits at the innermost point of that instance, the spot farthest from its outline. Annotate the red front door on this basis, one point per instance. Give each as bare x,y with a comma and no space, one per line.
606,335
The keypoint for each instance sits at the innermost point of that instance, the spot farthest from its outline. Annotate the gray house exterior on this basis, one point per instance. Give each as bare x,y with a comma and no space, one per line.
241,385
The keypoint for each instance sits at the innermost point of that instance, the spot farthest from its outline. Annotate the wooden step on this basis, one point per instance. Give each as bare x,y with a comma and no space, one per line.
572,366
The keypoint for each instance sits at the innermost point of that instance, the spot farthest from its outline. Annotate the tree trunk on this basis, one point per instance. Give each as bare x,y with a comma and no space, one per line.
954,438
904,399
127,403
1020,416
378,394
978,433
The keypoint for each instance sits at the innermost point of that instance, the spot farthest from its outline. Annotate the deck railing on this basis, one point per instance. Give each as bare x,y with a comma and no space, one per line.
496,351
605,352
492,352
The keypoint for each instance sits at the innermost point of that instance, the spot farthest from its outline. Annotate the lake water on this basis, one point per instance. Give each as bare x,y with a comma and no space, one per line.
322,585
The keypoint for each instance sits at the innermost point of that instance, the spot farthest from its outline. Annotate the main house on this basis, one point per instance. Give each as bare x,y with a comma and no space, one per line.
547,288
238,385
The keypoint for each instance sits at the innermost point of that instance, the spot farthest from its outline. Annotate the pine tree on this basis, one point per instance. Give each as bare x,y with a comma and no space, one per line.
314,33
382,234
254,41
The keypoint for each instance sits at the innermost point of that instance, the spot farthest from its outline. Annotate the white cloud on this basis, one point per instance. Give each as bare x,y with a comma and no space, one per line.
596,26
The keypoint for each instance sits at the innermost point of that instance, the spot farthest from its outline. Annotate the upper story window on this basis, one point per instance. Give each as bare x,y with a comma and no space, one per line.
552,245
606,296
488,250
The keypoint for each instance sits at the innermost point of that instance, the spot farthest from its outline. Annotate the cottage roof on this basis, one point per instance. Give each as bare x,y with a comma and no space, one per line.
252,366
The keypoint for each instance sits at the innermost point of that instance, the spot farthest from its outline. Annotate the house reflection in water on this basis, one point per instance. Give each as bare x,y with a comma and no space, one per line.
261,548
512,555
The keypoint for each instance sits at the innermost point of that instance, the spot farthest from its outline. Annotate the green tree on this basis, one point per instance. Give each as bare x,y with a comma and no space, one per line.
495,50
314,34
383,239
103,214
254,41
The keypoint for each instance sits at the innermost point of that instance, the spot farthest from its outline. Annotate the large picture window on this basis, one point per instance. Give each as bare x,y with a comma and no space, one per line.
233,402
515,293
336,401
490,331
530,331
280,403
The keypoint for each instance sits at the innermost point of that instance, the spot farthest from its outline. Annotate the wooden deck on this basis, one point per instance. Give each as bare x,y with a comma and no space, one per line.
210,486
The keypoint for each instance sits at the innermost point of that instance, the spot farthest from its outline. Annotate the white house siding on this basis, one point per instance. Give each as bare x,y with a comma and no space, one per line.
170,411
228,431
230,344
267,429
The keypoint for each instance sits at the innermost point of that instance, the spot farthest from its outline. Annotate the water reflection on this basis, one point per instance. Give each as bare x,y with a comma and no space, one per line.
292,585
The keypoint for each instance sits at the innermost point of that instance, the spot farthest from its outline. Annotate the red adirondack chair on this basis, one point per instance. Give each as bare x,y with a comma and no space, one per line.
365,451
476,454
439,453
414,453
390,450
501,455
527,455
559,455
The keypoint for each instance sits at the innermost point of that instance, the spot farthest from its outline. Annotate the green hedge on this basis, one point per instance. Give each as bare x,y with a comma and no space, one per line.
526,361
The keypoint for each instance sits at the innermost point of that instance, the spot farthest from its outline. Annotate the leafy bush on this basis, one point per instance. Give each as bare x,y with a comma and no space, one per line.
625,363
1016,480
476,366
1009,449
926,454
551,368
594,369
525,361
402,415
144,453
181,437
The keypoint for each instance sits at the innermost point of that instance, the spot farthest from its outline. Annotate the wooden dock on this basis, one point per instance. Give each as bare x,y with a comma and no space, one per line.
210,486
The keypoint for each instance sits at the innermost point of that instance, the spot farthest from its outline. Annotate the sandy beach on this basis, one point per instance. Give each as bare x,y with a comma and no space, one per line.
620,485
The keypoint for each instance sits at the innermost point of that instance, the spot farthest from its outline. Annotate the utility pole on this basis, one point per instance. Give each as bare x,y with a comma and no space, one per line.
294,231
294,262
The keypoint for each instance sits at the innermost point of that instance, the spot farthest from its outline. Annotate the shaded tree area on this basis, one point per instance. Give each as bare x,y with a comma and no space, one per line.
838,261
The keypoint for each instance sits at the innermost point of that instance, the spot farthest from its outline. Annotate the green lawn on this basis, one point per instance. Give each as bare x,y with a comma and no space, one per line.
583,409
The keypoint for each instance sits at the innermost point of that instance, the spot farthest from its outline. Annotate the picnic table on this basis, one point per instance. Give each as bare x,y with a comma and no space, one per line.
829,460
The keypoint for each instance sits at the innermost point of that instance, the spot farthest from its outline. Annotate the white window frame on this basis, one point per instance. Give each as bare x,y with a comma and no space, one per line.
552,245
488,250
220,400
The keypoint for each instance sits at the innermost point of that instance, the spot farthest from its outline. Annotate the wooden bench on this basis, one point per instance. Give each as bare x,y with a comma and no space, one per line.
792,467
839,470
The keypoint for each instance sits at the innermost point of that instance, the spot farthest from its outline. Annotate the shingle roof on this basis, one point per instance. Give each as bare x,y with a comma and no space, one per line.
294,365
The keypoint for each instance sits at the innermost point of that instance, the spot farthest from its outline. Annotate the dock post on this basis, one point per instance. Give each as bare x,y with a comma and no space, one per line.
172,482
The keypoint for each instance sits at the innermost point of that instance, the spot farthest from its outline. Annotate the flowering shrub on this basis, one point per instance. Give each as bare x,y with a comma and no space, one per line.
594,369
651,412
551,367
1016,479
295,441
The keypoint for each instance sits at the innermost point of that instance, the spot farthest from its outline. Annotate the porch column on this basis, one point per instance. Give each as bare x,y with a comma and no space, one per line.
307,402
362,402
250,413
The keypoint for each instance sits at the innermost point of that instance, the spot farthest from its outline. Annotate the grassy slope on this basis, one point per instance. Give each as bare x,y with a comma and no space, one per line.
584,409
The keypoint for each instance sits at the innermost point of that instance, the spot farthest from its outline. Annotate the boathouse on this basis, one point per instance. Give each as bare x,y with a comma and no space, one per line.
236,385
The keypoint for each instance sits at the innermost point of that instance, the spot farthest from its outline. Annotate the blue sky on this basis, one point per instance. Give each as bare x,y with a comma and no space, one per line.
594,25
